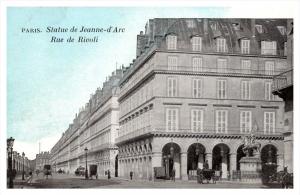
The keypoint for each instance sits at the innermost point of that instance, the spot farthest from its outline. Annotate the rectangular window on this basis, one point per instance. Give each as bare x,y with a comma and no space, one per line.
197,120
245,46
246,66
245,121
221,89
245,92
268,48
259,28
222,65
172,42
197,86
221,121
221,45
172,119
172,62
172,87
197,43
269,67
197,64
268,91
269,122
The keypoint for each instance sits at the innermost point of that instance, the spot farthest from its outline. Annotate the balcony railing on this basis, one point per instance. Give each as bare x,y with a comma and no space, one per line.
191,69
204,131
133,134
217,70
282,80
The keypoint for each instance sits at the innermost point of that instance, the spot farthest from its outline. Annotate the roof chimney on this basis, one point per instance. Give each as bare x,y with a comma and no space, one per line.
253,27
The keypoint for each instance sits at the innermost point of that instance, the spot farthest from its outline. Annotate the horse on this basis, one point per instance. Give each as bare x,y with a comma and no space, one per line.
254,146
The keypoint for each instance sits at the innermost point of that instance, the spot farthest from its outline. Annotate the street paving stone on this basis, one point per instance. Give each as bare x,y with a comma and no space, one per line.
59,181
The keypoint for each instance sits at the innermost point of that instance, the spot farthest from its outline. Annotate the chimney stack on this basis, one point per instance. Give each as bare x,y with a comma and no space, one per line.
253,27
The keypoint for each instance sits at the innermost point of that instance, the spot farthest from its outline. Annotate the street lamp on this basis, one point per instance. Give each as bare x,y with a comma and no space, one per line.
10,144
86,171
23,155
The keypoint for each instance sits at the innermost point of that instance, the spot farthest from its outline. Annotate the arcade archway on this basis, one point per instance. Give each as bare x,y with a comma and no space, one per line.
171,159
269,161
221,161
196,157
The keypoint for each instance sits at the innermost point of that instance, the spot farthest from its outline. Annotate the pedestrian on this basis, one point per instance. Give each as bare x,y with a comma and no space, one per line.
173,174
206,165
108,174
30,177
131,174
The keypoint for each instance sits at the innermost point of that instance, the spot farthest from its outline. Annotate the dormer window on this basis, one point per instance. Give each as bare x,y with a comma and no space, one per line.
196,43
236,26
172,42
221,45
268,48
190,23
245,46
282,30
259,28
213,26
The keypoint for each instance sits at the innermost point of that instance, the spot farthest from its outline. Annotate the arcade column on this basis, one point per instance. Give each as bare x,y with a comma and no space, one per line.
156,161
280,162
232,163
208,157
183,161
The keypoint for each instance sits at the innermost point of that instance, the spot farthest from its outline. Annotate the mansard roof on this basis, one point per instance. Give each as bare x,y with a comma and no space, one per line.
232,29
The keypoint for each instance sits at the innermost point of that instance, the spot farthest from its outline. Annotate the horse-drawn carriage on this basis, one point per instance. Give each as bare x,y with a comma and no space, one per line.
206,174
283,178
47,171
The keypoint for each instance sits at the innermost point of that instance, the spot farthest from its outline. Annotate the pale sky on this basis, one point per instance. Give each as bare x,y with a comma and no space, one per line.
47,82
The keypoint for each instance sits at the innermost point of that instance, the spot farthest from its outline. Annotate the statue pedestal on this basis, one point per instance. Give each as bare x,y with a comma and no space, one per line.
250,169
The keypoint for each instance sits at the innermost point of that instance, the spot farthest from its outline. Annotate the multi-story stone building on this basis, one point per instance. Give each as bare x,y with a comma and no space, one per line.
18,161
94,128
283,87
42,159
196,87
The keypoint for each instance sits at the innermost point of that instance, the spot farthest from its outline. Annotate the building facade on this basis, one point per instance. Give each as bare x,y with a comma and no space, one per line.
18,162
283,87
94,129
195,89
42,159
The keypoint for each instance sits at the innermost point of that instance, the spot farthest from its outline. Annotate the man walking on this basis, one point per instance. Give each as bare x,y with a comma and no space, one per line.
131,174
173,174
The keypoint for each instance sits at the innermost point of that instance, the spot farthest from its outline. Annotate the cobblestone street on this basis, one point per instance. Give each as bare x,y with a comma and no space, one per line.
71,181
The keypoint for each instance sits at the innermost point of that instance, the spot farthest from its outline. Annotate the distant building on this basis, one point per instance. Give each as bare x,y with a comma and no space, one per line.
283,87
18,161
93,128
32,164
41,160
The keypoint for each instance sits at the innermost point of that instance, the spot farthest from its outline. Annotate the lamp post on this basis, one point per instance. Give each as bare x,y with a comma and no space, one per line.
86,171
23,155
10,143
